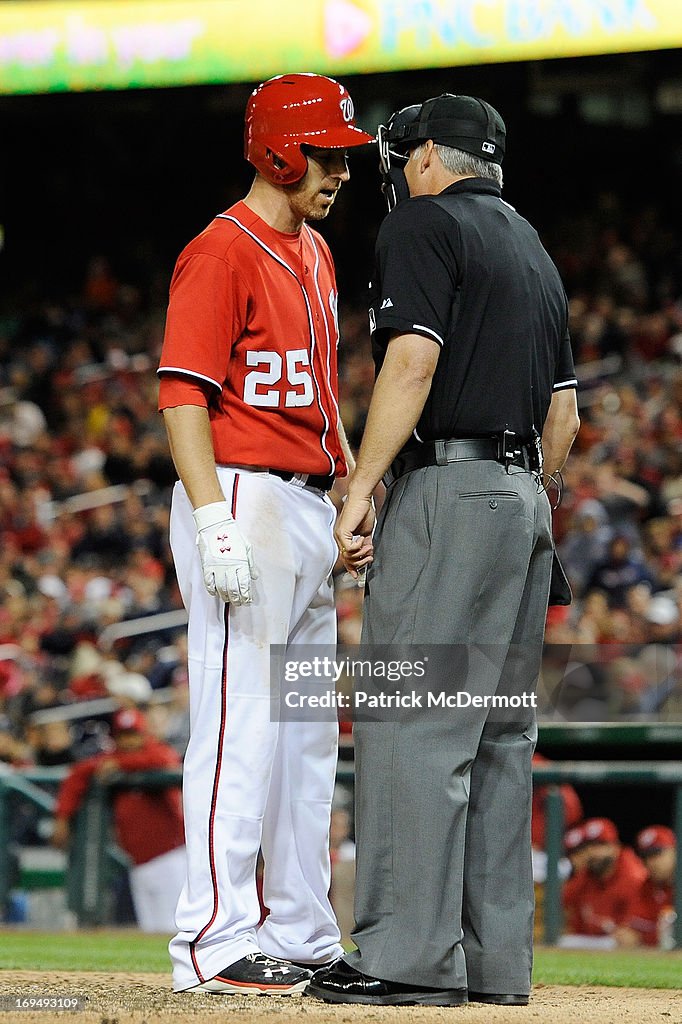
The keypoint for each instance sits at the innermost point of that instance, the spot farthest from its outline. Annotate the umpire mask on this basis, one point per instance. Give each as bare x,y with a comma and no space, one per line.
461,122
393,156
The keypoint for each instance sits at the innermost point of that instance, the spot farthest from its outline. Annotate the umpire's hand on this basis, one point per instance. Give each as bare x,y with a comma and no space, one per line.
226,555
353,532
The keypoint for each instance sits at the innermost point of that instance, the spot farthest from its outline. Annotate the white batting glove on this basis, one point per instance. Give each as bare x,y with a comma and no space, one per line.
225,553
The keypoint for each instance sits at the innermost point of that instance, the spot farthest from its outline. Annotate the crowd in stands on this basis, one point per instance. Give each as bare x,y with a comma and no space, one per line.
85,480
619,525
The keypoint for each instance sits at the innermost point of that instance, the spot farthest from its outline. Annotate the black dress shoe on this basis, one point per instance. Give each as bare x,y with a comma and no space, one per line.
498,998
341,983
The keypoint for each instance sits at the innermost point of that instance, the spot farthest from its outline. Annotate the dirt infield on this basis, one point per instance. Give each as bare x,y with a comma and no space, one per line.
147,999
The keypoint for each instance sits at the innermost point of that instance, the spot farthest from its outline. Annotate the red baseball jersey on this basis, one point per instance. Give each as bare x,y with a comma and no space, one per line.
148,822
252,320
651,900
595,906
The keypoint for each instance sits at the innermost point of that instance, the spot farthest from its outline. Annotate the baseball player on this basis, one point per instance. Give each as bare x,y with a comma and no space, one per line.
148,822
601,896
249,395
653,912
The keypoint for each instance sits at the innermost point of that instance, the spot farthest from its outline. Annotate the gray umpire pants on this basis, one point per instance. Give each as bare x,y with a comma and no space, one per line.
444,889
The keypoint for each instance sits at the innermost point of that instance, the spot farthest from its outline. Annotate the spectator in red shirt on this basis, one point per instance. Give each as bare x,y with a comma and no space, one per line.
655,901
148,823
599,898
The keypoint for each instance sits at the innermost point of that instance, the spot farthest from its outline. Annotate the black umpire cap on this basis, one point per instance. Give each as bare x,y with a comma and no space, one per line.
463,122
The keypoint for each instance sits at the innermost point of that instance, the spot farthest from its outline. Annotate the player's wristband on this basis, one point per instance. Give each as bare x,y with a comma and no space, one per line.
213,514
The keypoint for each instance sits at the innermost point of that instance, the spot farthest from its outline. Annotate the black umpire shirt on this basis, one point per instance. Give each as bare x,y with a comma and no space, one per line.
465,270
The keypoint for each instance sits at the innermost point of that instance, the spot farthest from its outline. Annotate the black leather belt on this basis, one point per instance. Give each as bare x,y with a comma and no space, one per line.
503,448
320,483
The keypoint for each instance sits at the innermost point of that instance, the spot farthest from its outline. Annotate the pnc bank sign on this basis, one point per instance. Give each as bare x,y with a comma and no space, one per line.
483,22
63,45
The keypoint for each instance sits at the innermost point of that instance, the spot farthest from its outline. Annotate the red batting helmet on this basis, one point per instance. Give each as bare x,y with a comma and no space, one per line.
654,839
291,110
574,839
600,830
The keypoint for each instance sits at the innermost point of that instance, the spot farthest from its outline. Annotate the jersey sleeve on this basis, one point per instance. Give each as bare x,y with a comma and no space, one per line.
74,787
207,312
176,389
416,272
564,375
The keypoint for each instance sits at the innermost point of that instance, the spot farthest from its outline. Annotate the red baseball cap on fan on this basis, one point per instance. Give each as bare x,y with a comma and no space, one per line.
600,830
128,720
654,839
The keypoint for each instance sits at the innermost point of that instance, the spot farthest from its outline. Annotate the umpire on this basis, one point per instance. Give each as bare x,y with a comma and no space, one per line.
475,382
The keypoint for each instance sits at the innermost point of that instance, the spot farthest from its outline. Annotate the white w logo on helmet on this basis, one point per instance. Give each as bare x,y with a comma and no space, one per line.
347,110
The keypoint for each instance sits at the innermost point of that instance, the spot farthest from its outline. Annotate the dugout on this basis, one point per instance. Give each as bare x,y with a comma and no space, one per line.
614,743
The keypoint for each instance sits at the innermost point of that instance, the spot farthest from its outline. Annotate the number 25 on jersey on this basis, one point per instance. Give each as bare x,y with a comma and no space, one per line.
258,388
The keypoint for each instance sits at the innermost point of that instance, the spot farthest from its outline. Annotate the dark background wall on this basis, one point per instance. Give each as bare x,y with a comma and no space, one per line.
133,175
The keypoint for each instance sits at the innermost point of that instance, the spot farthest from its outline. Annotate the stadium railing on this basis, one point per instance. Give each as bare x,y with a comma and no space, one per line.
140,627
94,855
88,500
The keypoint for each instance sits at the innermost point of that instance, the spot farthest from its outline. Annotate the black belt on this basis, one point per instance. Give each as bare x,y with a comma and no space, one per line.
503,448
320,483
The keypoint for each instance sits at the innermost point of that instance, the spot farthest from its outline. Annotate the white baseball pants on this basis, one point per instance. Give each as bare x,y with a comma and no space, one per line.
250,782
155,887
